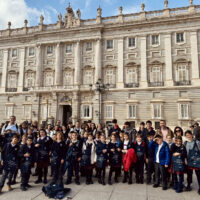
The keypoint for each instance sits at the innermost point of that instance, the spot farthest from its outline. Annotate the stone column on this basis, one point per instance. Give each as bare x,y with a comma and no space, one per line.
4,71
194,58
120,67
97,112
77,64
75,107
58,65
98,56
21,70
38,65
168,60
143,56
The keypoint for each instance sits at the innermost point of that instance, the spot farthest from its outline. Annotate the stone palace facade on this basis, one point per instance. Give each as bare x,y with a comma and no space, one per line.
132,67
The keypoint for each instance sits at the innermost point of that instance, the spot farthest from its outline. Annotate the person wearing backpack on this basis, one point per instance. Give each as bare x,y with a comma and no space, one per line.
27,155
43,147
58,153
9,161
192,145
73,158
179,156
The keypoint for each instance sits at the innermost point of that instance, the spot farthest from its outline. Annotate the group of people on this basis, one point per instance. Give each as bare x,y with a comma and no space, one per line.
87,150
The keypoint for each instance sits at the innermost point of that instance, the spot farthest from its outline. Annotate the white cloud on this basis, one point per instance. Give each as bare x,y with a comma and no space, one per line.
16,11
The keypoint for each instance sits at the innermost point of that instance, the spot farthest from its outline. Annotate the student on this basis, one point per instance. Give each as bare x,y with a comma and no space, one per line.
58,153
102,156
88,158
43,146
73,158
179,154
189,145
140,149
161,160
150,158
126,146
26,153
9,161
115,158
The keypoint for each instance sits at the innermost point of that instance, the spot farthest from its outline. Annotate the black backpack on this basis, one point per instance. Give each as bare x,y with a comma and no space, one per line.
51,190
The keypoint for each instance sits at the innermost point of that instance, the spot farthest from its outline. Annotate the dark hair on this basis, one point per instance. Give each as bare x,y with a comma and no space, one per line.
178,127
148,122
43,130
178,138
142,123
158,136
138,136
15,136
122,131
149,135
197,136
126,133
114,121
127,123
188,132
29,138
89,121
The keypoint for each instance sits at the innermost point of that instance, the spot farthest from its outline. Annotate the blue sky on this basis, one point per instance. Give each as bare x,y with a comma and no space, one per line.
18,10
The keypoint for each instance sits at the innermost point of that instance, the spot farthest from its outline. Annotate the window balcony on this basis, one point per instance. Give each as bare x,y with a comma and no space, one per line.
11,89
156,84
181,83
131,85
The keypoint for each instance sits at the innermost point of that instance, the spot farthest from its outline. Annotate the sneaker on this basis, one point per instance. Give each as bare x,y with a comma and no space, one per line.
116,180
179,191
164,188
28,186
103,182
87,182
77,182
91,181
99,181
124,180
13,182
38,181
130,182
188,188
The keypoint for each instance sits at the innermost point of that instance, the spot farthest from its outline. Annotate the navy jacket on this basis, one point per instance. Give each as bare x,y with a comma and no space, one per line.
164,154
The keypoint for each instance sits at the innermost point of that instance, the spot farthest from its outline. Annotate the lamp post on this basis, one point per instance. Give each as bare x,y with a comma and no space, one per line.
100,87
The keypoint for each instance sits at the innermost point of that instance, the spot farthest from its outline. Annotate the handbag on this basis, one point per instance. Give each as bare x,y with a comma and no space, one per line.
194,157
178,164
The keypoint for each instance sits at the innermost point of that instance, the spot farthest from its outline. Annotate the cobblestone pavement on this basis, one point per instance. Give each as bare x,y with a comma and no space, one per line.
117,191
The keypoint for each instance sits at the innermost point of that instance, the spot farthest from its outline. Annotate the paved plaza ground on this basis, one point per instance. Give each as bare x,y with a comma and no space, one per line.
117,191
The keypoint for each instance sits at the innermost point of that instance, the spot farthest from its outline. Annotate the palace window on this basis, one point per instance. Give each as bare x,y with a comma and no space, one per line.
9,111
156,75
31,51
89,46
155,40
12,80
131,75
182,73
86,111
109,111
27,112
68,48
180,37
48,79
30,79
110,76
14,52
87,79
49,49
131,42
132,111
68,78
184,111
109,44
157,111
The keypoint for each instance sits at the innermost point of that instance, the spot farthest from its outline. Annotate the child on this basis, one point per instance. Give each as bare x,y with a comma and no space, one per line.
127,145
102,156
161,160
88,158
27,154
189,145
58,151
73,158
43,146
9,161
115,158
150,158
140,149
179,156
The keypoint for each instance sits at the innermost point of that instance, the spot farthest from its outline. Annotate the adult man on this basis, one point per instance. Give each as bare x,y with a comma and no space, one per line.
10,126
131,132
115,128
165,130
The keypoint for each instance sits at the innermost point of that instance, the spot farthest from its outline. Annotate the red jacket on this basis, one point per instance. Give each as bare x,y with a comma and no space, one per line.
129,158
